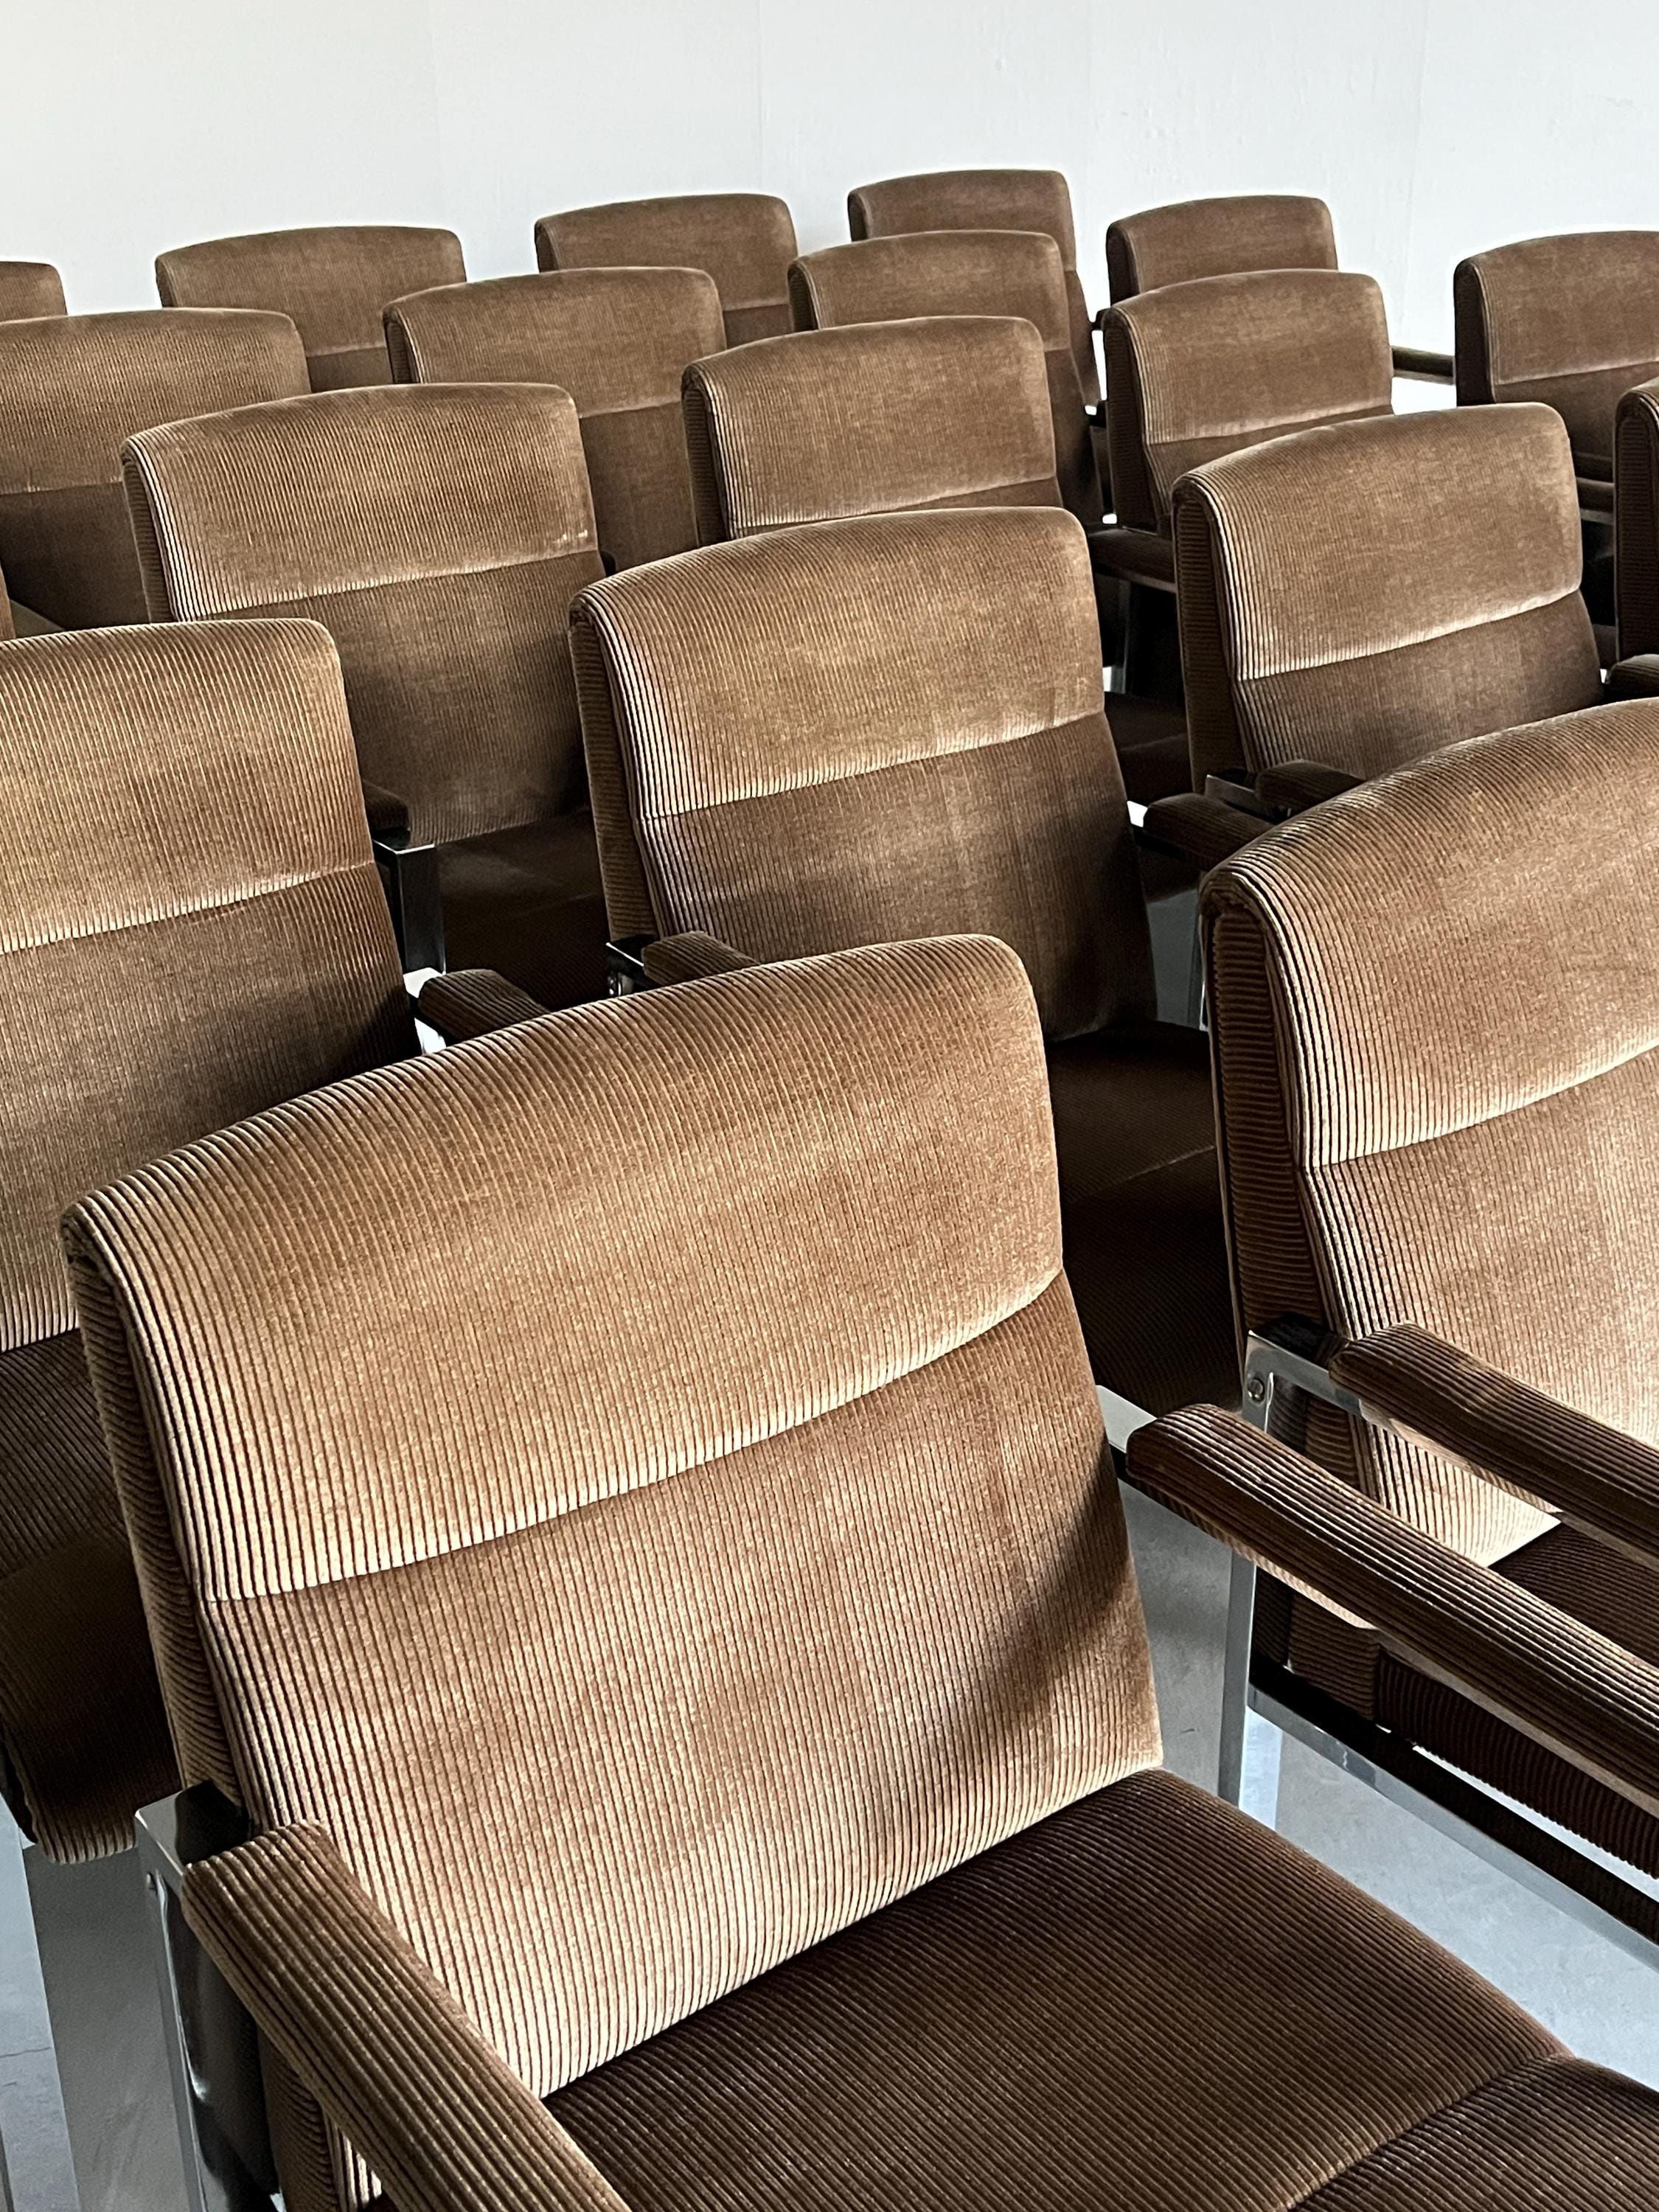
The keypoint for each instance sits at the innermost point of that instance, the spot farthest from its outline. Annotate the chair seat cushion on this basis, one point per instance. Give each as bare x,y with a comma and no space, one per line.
1145,2001
528,903
1151,738
1140,1203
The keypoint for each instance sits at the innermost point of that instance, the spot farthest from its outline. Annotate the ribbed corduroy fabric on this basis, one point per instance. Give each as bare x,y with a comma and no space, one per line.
941,411
1637,520
28,288
1202,369
75,386
964,272
473,1002
1225,237
191,929
1358,595
424,1531
618,341
333,283
986,199
1572,322
745,240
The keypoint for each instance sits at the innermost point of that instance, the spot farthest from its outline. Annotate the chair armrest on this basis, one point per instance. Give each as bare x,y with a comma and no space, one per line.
1577,1693
388,816
1426,367
1294,785
474,1002
1637,677
376,2038
1200,829
1596,1477
692,954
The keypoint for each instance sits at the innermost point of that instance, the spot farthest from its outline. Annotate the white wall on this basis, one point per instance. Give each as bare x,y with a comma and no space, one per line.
1433,126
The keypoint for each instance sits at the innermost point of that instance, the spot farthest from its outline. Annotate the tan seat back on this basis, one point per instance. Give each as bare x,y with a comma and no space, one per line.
1362,594
1223,237
745,240
1436,1047
334,283
964,272
986,199
29,289
946,411
1202,369
439,532
1573,322
620,1680
75,386
865,731
1637,568
617,340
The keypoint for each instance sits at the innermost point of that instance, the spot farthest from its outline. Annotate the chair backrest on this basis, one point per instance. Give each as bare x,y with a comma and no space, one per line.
438,532
620,1680
617,340
29,289
1362,594
1197,370
75,386
334,283
867,730
745,240
946,411
1637,506
1437,1051
986,199
964,272
1572,321
1224,237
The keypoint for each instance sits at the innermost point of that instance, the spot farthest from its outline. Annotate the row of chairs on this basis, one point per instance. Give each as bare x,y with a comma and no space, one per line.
621,1510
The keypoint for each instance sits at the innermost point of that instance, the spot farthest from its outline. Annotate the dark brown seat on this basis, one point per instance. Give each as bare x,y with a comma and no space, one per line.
754,1752
439,531
29,289
1637,443
617,340
986,199
822,738
333,283
745,240
76,387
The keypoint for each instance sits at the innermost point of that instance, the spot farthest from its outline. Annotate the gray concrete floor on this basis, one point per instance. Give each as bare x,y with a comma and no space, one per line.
106,2021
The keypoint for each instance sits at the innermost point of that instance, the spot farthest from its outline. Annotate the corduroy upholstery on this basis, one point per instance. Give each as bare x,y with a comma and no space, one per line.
756,1736
1224,237
1637,442
1357,595
945,410
1573,322
1437,1078
192,929
617,340
334,283
745,240
986,199
964,272
816,738
29,289
438,531
75,386
1200,370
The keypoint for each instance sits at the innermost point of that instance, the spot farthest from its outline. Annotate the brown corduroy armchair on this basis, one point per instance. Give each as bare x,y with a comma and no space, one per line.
333,282
986,199
1437,1049
75,386
748,1746
892,727
745,240
28,288
1637,517
439,531
1356,597
617,340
